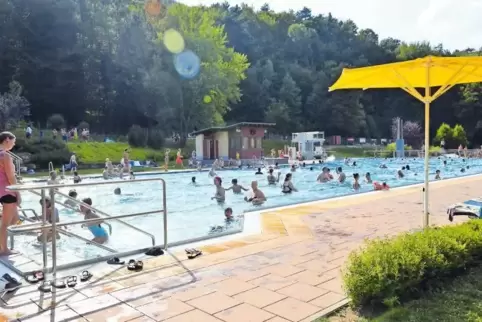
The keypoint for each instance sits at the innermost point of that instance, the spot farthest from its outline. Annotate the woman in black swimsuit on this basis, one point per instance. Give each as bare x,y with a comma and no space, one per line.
287,186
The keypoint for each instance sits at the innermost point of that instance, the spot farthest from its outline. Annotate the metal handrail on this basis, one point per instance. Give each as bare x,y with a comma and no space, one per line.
38,226
70,207
53,225
153,238
53,186
62,231
51,167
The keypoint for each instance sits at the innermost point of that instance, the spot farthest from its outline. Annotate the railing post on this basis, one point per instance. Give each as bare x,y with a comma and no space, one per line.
53,218
164,205
44,234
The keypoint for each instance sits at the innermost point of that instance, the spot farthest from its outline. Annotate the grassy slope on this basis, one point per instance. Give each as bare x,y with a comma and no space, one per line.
458,301
96,152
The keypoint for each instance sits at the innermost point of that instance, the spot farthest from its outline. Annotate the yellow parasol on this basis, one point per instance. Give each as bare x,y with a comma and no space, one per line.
428,72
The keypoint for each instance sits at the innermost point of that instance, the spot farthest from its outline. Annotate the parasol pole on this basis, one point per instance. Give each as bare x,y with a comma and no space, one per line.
427,145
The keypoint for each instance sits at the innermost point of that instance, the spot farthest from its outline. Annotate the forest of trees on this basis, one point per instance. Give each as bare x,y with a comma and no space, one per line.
107,63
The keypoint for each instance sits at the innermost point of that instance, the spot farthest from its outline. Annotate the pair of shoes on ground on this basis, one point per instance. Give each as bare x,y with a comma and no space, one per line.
132,265
9,283
46,286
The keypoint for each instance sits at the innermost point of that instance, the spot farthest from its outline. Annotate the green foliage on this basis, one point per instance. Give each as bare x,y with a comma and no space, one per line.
392,147
387,271
97,152
459,135
444,132
55,121
453,136
137,136
42,151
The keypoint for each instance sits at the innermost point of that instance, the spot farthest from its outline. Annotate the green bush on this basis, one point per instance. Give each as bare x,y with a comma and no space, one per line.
56,121
387,271
43,150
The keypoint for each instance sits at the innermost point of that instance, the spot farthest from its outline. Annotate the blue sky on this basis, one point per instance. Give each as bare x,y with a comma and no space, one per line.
456,24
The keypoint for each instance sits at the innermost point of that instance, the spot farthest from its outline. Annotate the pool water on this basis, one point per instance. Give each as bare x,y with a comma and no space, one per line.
192,213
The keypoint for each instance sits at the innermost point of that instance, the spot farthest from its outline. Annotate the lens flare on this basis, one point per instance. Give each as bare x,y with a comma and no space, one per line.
187,64
173,41
153,7
207,99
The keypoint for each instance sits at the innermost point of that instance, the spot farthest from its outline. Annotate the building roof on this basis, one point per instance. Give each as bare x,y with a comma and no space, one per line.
227,127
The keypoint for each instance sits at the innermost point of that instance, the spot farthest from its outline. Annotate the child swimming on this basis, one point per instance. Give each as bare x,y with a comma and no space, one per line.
100,235
220,194
69,202
237,188
77,178
49,214
272,180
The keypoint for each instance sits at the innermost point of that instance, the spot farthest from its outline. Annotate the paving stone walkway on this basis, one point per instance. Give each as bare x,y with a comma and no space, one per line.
290,272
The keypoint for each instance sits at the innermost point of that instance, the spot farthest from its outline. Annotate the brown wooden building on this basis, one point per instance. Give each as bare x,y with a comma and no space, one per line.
226,142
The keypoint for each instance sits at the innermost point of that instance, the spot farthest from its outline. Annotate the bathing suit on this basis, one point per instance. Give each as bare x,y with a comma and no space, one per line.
6,197
178,159
286,188
98,231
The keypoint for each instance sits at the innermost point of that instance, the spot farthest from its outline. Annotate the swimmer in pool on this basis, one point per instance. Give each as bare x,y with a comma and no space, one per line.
100,234
259,171
258,196
383,186
132,176
368,177
437,175
193,181
293,168
77,178
341,175
212,173
272,180
220,194
117,191
48,215
356,184
287,186
53,178
69,202
228,213
400,174
237,188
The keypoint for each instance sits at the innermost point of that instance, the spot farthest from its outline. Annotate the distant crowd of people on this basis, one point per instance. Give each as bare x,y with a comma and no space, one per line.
72,134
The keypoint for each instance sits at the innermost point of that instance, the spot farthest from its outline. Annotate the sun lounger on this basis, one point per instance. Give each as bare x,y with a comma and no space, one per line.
471,208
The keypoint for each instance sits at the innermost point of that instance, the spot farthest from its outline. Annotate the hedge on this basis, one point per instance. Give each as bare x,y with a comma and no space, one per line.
387,271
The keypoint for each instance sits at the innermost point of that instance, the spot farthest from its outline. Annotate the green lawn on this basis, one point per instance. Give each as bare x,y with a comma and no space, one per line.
351,151
459,301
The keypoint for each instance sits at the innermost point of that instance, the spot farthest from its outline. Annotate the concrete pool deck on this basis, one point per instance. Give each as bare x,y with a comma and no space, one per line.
289,272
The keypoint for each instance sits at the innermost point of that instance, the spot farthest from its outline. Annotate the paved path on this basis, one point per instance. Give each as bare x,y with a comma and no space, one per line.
291,272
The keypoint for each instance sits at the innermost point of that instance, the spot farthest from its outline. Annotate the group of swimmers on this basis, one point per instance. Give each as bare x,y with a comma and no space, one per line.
100,235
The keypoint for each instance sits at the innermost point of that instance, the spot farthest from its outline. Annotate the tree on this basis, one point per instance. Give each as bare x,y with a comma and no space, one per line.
459,135
412,132
55,121
13,107
446,133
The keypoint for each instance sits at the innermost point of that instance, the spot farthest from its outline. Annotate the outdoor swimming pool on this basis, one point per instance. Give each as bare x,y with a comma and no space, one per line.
191,212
